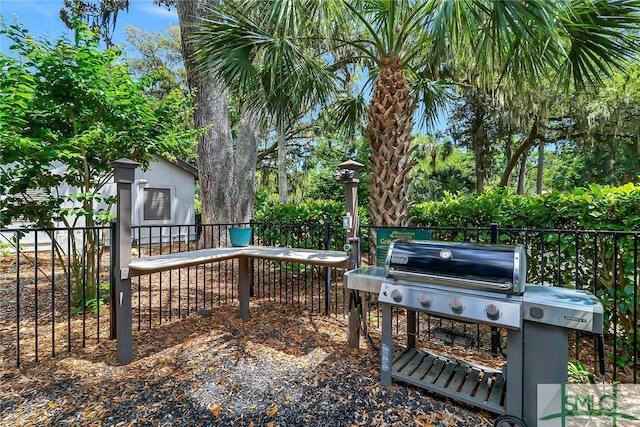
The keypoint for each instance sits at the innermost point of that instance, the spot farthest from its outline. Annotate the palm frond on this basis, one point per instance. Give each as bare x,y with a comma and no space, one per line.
601,36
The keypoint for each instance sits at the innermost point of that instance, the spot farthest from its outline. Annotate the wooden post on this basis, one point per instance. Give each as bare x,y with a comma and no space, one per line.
124,176
244,285
350,176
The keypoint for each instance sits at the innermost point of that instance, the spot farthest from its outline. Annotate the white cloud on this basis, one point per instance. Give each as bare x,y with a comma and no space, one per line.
159,11
24,9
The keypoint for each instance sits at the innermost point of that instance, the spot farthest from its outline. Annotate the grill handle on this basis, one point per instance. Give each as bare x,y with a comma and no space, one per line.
449,280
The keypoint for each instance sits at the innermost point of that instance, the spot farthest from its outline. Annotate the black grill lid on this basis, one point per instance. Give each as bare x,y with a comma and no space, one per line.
460,264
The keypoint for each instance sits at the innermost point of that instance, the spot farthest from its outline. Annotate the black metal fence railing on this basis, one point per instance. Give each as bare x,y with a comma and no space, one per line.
55,284
161,297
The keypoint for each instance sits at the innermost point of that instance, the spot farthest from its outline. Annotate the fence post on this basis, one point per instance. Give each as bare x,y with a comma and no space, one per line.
124,176
251,261
18,300
113,320
493,232
327,271
495,334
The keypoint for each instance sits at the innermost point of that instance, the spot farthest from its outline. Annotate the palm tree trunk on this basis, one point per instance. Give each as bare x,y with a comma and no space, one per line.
388,134
216,161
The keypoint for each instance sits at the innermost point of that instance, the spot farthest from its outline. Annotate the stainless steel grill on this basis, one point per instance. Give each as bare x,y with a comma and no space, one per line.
483,284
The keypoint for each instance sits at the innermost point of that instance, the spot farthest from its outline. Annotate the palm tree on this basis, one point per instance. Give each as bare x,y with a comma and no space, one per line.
408,48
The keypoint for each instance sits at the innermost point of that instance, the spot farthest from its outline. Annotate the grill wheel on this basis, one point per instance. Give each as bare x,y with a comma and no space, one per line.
508,421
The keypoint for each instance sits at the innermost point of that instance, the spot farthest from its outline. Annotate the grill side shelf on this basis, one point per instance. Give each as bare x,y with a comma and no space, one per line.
469,383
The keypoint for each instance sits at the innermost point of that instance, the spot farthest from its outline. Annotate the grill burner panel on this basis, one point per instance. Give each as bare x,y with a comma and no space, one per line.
463,304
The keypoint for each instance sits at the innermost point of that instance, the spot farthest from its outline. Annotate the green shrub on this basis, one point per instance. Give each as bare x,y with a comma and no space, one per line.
593,208
306,212
300,224
197,206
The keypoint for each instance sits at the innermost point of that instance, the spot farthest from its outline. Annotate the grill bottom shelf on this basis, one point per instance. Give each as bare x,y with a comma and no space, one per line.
459,380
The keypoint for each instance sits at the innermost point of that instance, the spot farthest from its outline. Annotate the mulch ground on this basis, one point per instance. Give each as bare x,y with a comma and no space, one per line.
281,368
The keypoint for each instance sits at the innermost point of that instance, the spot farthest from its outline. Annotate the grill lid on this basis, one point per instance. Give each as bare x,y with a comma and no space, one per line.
491,267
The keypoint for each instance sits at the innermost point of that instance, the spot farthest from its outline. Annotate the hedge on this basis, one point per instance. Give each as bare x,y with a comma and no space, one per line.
593,208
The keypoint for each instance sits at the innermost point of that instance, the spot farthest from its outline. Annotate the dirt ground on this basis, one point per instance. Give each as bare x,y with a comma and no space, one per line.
282,367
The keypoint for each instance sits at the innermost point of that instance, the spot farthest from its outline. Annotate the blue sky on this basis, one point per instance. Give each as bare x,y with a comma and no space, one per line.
40,17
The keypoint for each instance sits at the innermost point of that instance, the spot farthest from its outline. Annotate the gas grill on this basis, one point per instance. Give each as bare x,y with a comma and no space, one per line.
484,284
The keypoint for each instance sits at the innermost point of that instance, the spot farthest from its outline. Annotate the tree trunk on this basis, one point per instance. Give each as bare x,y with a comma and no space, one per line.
523,148
283,185
246,159
480,172
522,175
540,167
216,163
479,147
434,157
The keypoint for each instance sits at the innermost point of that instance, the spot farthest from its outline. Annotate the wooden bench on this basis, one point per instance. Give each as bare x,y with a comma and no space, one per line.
156,264
125,268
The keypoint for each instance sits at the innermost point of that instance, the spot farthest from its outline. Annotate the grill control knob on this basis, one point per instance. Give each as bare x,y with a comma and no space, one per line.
424,300
492,311
456,305
396,295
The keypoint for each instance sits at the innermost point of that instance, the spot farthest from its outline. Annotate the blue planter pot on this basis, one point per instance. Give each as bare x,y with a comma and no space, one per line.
240,236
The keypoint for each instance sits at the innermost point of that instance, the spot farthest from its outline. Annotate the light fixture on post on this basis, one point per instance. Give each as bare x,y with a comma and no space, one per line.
347,222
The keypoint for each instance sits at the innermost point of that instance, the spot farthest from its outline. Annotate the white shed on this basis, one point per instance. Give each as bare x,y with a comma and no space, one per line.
163,195
163,206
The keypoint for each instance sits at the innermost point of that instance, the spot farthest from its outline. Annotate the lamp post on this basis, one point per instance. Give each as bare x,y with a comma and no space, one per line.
349,175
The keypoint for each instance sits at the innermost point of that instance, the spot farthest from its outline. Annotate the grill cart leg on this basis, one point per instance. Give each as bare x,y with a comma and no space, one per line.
386,345
411,328
355,307
537,354
545,362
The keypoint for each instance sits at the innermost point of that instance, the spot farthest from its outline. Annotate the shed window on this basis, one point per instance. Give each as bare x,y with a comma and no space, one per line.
157,204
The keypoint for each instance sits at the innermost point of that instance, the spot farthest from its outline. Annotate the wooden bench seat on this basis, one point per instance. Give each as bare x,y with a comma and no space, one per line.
158,263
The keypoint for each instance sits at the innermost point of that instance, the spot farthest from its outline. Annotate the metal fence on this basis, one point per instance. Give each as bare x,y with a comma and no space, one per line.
55,284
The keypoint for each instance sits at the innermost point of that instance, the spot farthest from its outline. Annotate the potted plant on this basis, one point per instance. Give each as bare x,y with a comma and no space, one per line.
240,235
